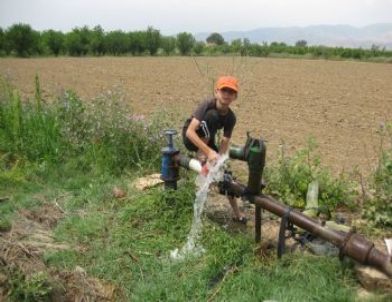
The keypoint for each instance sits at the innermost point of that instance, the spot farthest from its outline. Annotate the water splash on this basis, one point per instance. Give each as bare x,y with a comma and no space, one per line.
192,247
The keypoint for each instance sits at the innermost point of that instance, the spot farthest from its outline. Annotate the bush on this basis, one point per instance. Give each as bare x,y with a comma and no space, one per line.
288,179
378,208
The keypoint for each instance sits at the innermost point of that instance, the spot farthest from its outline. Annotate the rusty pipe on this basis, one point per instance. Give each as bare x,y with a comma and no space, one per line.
350,244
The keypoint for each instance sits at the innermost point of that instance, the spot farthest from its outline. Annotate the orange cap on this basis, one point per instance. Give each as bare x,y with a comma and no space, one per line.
227,82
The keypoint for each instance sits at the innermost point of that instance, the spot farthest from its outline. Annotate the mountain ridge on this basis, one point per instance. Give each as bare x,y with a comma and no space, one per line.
339,35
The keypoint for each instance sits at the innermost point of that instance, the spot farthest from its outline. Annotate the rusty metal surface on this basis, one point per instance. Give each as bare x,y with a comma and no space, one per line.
353,245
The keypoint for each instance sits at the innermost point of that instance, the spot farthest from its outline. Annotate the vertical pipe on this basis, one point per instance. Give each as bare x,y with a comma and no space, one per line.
258,224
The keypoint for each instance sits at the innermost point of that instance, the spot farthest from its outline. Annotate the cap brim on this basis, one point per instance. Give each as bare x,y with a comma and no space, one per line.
232,87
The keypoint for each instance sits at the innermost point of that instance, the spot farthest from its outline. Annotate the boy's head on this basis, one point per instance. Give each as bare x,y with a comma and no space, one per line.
228,82
226,89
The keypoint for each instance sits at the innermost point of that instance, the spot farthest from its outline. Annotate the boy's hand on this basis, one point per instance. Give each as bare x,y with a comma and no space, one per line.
204,170
212,156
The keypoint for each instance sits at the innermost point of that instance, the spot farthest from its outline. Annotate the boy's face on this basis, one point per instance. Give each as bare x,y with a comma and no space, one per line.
225,96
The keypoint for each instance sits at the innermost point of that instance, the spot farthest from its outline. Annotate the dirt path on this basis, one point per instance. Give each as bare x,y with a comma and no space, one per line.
341,104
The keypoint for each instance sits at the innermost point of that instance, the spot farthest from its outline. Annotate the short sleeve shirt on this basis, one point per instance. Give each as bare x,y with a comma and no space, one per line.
227,121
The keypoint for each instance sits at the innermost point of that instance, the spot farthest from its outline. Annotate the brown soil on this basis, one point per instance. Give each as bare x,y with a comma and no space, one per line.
341,103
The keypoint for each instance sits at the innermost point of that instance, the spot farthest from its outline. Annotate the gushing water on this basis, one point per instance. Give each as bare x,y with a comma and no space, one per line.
192,247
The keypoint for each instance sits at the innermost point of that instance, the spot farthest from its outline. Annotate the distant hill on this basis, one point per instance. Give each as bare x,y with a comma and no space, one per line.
328,35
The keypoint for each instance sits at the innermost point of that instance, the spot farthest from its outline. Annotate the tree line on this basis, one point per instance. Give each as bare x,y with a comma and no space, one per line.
22,40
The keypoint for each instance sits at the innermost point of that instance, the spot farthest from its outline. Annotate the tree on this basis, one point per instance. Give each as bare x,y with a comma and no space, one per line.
73,43
153,40
215,38
168,44
2,48
116,42
137,42
301,43
245,47
77,41
97,37
278,47
53,41
236,45
185,42
22,39
198,47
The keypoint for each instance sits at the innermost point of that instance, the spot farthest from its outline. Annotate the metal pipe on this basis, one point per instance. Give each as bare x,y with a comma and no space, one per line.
258,223
188,163
237,152
350,244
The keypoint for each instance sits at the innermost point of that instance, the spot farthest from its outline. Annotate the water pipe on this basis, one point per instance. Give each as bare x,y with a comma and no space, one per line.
349,243
253,152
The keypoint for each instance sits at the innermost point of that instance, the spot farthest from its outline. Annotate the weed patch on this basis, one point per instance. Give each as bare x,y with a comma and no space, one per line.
378,207
101,135
289,178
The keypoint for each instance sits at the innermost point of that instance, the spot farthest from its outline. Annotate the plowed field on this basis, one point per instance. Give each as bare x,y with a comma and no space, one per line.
342,104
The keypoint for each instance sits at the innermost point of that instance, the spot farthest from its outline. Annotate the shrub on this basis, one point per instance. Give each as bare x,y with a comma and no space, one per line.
288,179
378,208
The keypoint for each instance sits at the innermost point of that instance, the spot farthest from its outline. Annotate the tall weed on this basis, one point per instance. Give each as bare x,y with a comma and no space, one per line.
103,134
29,130
378,206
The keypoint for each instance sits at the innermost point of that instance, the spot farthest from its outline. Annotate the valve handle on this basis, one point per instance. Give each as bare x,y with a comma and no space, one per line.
169,134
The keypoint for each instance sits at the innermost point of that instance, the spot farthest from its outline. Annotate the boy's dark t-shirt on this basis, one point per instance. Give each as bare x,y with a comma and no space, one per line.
207,113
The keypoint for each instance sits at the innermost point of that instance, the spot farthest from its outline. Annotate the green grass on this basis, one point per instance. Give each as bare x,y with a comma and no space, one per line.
129,244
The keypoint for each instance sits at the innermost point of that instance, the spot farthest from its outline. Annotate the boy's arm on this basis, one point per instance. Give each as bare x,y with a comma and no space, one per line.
198,142
224,145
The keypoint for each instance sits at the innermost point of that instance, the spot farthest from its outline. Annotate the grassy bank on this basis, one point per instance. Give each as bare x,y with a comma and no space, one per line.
127,242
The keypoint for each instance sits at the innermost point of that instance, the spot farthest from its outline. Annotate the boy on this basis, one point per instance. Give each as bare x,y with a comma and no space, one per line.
211,115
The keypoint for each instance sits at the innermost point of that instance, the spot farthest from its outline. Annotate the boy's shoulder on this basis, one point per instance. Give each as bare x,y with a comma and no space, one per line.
208,103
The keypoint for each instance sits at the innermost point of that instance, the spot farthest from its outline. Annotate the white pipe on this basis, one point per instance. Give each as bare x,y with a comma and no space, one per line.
388,243
195,165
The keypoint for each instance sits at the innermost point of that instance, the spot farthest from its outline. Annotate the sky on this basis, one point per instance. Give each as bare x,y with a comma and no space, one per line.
174,16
